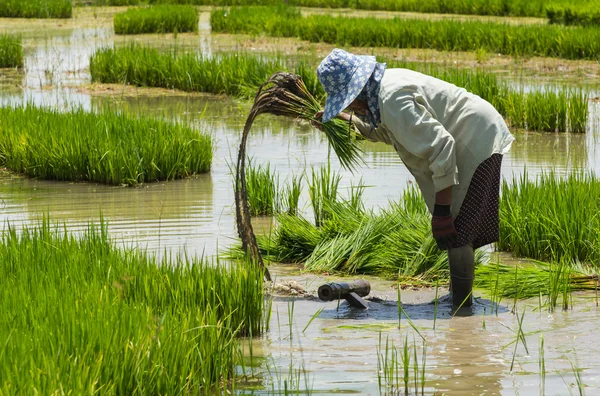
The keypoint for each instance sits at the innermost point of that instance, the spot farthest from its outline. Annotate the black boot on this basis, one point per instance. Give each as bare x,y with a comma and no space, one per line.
462,273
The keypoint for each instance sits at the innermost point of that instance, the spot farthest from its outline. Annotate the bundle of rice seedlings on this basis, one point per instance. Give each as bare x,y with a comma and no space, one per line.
534,279
284,94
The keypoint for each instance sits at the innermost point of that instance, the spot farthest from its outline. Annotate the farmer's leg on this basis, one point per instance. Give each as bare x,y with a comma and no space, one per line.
462,272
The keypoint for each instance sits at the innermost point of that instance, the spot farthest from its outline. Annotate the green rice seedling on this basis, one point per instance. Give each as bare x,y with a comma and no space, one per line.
444,35
578,381
36,9
262,185
542,366
521,337
90,316
107,148
312,318
323,191
435,302
291,305
544,219
291,195
11,51
157,19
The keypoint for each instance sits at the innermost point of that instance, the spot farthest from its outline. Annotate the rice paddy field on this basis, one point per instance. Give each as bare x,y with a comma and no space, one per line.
119,253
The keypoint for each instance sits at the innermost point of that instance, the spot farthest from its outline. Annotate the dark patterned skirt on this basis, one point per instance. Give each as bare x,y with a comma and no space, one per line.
477,222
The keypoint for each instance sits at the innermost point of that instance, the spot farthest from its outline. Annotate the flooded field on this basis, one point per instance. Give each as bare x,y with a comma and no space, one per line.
339,350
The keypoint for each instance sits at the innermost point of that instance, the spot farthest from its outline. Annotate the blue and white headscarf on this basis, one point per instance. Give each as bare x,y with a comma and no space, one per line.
370,94
344,76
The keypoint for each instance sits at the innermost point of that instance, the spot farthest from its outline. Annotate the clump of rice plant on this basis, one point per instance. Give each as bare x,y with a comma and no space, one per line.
157,19
107,148
534,279
36,9
263,186
551,217
117,321
11,51
444,35
585,14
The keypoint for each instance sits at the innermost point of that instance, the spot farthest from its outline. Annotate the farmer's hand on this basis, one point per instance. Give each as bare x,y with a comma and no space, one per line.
318,116
442,227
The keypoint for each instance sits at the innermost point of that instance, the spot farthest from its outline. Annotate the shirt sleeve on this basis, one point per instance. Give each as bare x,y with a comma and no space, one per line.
407,117
370,133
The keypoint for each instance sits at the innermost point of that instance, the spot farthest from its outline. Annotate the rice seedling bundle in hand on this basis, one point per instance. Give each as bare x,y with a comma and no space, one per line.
284,94
36,9
11,51
157,19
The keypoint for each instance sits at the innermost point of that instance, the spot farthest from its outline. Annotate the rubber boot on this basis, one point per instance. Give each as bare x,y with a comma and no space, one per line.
462,273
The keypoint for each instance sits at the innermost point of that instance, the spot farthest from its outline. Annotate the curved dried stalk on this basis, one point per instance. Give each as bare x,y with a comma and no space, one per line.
284,94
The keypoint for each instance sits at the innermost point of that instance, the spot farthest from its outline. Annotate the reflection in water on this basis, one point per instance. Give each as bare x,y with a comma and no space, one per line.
174,215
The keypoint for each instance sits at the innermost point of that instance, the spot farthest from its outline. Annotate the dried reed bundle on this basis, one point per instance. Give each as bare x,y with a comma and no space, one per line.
284,94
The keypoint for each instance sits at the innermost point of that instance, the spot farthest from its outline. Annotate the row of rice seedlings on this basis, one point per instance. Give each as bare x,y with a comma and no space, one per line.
82,316
556,281
157,19
232,74
547,111
241,74
574,14
11,51
444,35
535,8
36,9
107,148
551,217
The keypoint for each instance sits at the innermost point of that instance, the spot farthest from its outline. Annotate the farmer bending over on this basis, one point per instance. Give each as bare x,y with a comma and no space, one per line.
450,140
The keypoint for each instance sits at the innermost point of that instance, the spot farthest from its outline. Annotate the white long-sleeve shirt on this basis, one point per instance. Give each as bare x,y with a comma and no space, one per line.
440,131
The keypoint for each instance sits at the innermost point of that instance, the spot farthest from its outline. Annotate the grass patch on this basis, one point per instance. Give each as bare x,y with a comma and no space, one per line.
444,35
36,9
81,316
107,148
552,218
11,51
241,74
157,19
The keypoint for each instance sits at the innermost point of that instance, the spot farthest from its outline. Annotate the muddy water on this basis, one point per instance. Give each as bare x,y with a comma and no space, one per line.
468,353
339,349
